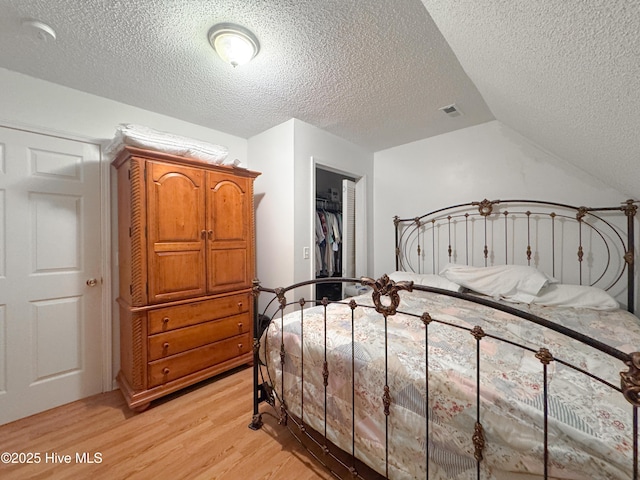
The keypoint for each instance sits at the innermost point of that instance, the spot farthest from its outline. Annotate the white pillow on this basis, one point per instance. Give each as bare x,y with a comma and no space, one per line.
426,279
519,283
579,296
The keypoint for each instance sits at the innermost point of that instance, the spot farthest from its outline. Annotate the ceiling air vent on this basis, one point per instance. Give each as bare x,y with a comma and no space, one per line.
451,110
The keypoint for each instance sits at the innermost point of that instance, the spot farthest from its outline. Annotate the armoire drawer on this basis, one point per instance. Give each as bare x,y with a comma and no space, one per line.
176,366
176,341
170,318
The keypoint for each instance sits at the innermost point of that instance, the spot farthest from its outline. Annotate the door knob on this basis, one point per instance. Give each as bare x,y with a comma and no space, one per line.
92,282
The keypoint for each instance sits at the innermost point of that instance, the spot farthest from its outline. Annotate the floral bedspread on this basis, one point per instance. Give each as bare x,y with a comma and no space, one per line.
590,424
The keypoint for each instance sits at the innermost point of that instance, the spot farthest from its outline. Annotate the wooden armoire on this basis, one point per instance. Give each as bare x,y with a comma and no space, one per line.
186,260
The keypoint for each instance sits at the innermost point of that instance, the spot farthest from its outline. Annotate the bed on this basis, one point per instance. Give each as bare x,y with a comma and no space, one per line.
503,346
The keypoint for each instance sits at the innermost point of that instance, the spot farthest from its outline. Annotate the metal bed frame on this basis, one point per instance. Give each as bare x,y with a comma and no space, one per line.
417,241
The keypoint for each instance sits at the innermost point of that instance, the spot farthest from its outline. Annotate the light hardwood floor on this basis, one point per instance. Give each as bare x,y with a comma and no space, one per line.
199,433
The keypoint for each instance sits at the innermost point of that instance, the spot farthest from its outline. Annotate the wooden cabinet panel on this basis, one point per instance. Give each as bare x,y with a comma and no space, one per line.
176,341
226,208
172,368
229,269
176,238
230,247
187,261
170,318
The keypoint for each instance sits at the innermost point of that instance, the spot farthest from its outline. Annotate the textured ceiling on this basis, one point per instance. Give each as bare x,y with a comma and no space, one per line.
565,74
372,72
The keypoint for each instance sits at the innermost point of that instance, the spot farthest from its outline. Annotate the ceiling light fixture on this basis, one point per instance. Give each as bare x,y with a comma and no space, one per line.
234,44
43,31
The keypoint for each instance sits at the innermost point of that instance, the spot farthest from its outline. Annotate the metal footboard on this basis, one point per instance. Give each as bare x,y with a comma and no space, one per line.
385,296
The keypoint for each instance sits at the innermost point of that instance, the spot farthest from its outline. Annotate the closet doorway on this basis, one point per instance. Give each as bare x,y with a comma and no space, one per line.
337,229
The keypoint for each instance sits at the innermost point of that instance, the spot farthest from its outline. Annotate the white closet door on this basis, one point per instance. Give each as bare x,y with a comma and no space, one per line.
50,272
348,230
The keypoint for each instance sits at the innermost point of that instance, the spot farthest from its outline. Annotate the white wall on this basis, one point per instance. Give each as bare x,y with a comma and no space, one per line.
486,161
49,108
336,153
284,194
32,102
272,155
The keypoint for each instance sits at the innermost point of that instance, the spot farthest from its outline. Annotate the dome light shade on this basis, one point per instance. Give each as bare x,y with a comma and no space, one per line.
234,44
44,32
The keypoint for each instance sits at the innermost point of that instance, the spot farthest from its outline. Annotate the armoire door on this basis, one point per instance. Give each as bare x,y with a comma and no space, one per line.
175,232
229,247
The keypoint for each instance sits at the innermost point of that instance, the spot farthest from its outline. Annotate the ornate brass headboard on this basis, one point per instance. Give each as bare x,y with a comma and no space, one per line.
580,245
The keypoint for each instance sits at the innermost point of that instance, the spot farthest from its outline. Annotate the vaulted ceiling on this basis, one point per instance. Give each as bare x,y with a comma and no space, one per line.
566,75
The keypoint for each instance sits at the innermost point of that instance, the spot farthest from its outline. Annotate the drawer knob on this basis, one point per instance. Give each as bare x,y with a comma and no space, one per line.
165,345
240,326
239,346
239,304
165,320
165,370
